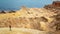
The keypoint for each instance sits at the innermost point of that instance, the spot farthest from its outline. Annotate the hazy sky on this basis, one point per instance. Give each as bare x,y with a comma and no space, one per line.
16,4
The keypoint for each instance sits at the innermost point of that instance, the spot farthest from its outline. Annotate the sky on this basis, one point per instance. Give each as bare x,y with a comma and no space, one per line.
17,4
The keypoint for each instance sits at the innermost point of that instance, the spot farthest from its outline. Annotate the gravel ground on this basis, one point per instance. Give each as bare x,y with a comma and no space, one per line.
20,31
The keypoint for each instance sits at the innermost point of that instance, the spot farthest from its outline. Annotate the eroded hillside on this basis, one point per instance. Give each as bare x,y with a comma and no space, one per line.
35,18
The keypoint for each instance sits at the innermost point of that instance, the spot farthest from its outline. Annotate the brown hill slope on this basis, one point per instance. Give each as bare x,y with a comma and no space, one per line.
35,18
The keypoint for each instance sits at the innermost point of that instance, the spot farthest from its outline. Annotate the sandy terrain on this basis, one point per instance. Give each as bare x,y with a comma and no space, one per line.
20,31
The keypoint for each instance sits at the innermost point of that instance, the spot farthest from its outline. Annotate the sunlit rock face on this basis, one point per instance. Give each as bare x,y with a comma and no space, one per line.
33,18
45,19
55,7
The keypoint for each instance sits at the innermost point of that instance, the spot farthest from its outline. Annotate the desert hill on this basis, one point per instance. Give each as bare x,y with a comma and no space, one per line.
35,18
45,19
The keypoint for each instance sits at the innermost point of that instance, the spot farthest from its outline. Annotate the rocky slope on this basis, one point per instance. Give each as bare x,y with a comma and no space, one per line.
45,19
35,18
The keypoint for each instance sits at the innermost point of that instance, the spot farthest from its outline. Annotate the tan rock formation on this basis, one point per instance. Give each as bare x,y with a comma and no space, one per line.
55,24
45,19
35,18
32,18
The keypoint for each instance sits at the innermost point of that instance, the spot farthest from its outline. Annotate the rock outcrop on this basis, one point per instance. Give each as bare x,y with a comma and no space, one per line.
45,19
35,18
55,24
